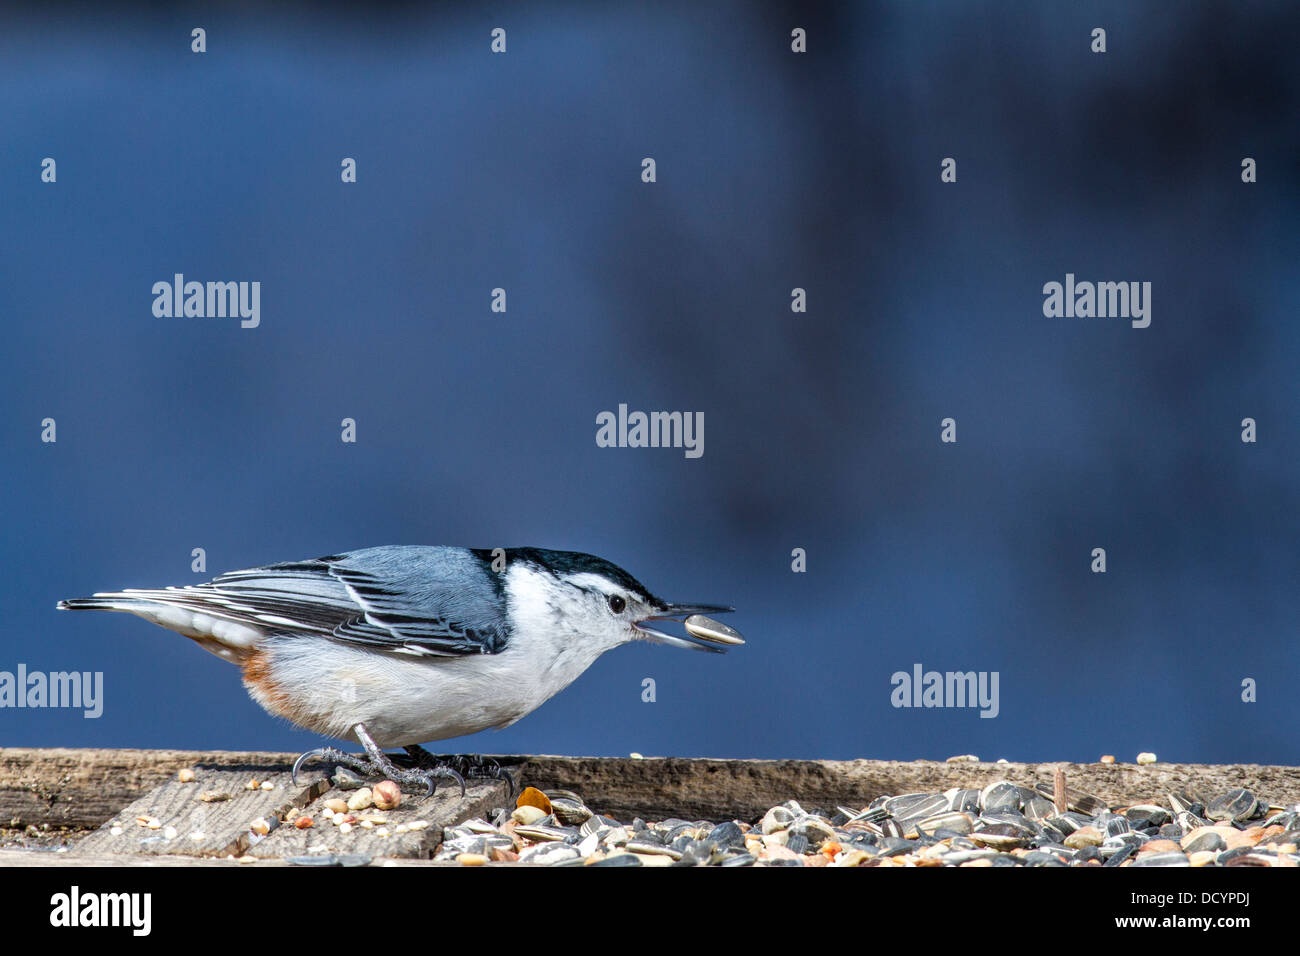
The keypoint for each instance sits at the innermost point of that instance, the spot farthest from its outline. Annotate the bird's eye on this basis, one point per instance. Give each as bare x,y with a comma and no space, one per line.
617,604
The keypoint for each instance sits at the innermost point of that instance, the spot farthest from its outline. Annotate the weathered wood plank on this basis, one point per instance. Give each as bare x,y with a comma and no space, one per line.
63,787
445,808
214,815
27,858
83,788
745,789
209,816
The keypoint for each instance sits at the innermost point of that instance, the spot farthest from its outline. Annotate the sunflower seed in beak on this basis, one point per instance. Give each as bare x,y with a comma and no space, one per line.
707,629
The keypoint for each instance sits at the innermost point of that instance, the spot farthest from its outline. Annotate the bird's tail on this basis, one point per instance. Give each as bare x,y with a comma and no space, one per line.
103,602
180,610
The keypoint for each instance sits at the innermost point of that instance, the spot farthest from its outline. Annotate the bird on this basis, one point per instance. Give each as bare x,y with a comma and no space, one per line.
399,645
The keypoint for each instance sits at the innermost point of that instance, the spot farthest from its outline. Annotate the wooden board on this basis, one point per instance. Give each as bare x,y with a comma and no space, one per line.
80,789
216,814
209,817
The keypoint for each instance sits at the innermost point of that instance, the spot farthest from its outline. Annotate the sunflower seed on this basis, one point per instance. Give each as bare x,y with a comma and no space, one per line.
707,629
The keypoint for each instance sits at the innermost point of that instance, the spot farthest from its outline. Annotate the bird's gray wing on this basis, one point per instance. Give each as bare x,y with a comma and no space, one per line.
426,601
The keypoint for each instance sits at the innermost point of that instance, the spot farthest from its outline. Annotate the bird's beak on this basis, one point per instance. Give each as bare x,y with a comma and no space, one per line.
673,612
677,612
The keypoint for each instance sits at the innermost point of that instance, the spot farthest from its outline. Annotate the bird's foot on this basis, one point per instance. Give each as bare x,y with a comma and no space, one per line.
467,766
375,763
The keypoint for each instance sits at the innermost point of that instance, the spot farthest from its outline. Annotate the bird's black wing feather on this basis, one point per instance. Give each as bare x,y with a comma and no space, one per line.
417,600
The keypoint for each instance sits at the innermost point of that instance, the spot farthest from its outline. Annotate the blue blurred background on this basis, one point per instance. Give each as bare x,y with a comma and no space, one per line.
775,171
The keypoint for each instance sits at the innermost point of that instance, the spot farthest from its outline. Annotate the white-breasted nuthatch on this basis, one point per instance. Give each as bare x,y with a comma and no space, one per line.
397,645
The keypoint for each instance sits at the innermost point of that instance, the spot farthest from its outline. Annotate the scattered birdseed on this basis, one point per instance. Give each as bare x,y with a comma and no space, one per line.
186,775
1005,824
1146,758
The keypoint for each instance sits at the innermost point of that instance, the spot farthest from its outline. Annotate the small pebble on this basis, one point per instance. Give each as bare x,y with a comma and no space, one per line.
345,779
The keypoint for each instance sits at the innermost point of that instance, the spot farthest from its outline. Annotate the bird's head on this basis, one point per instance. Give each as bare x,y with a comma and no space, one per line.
601,601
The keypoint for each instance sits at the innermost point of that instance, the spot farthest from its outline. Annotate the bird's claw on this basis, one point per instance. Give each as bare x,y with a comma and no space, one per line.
336,755
377,768
302,759
461,766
